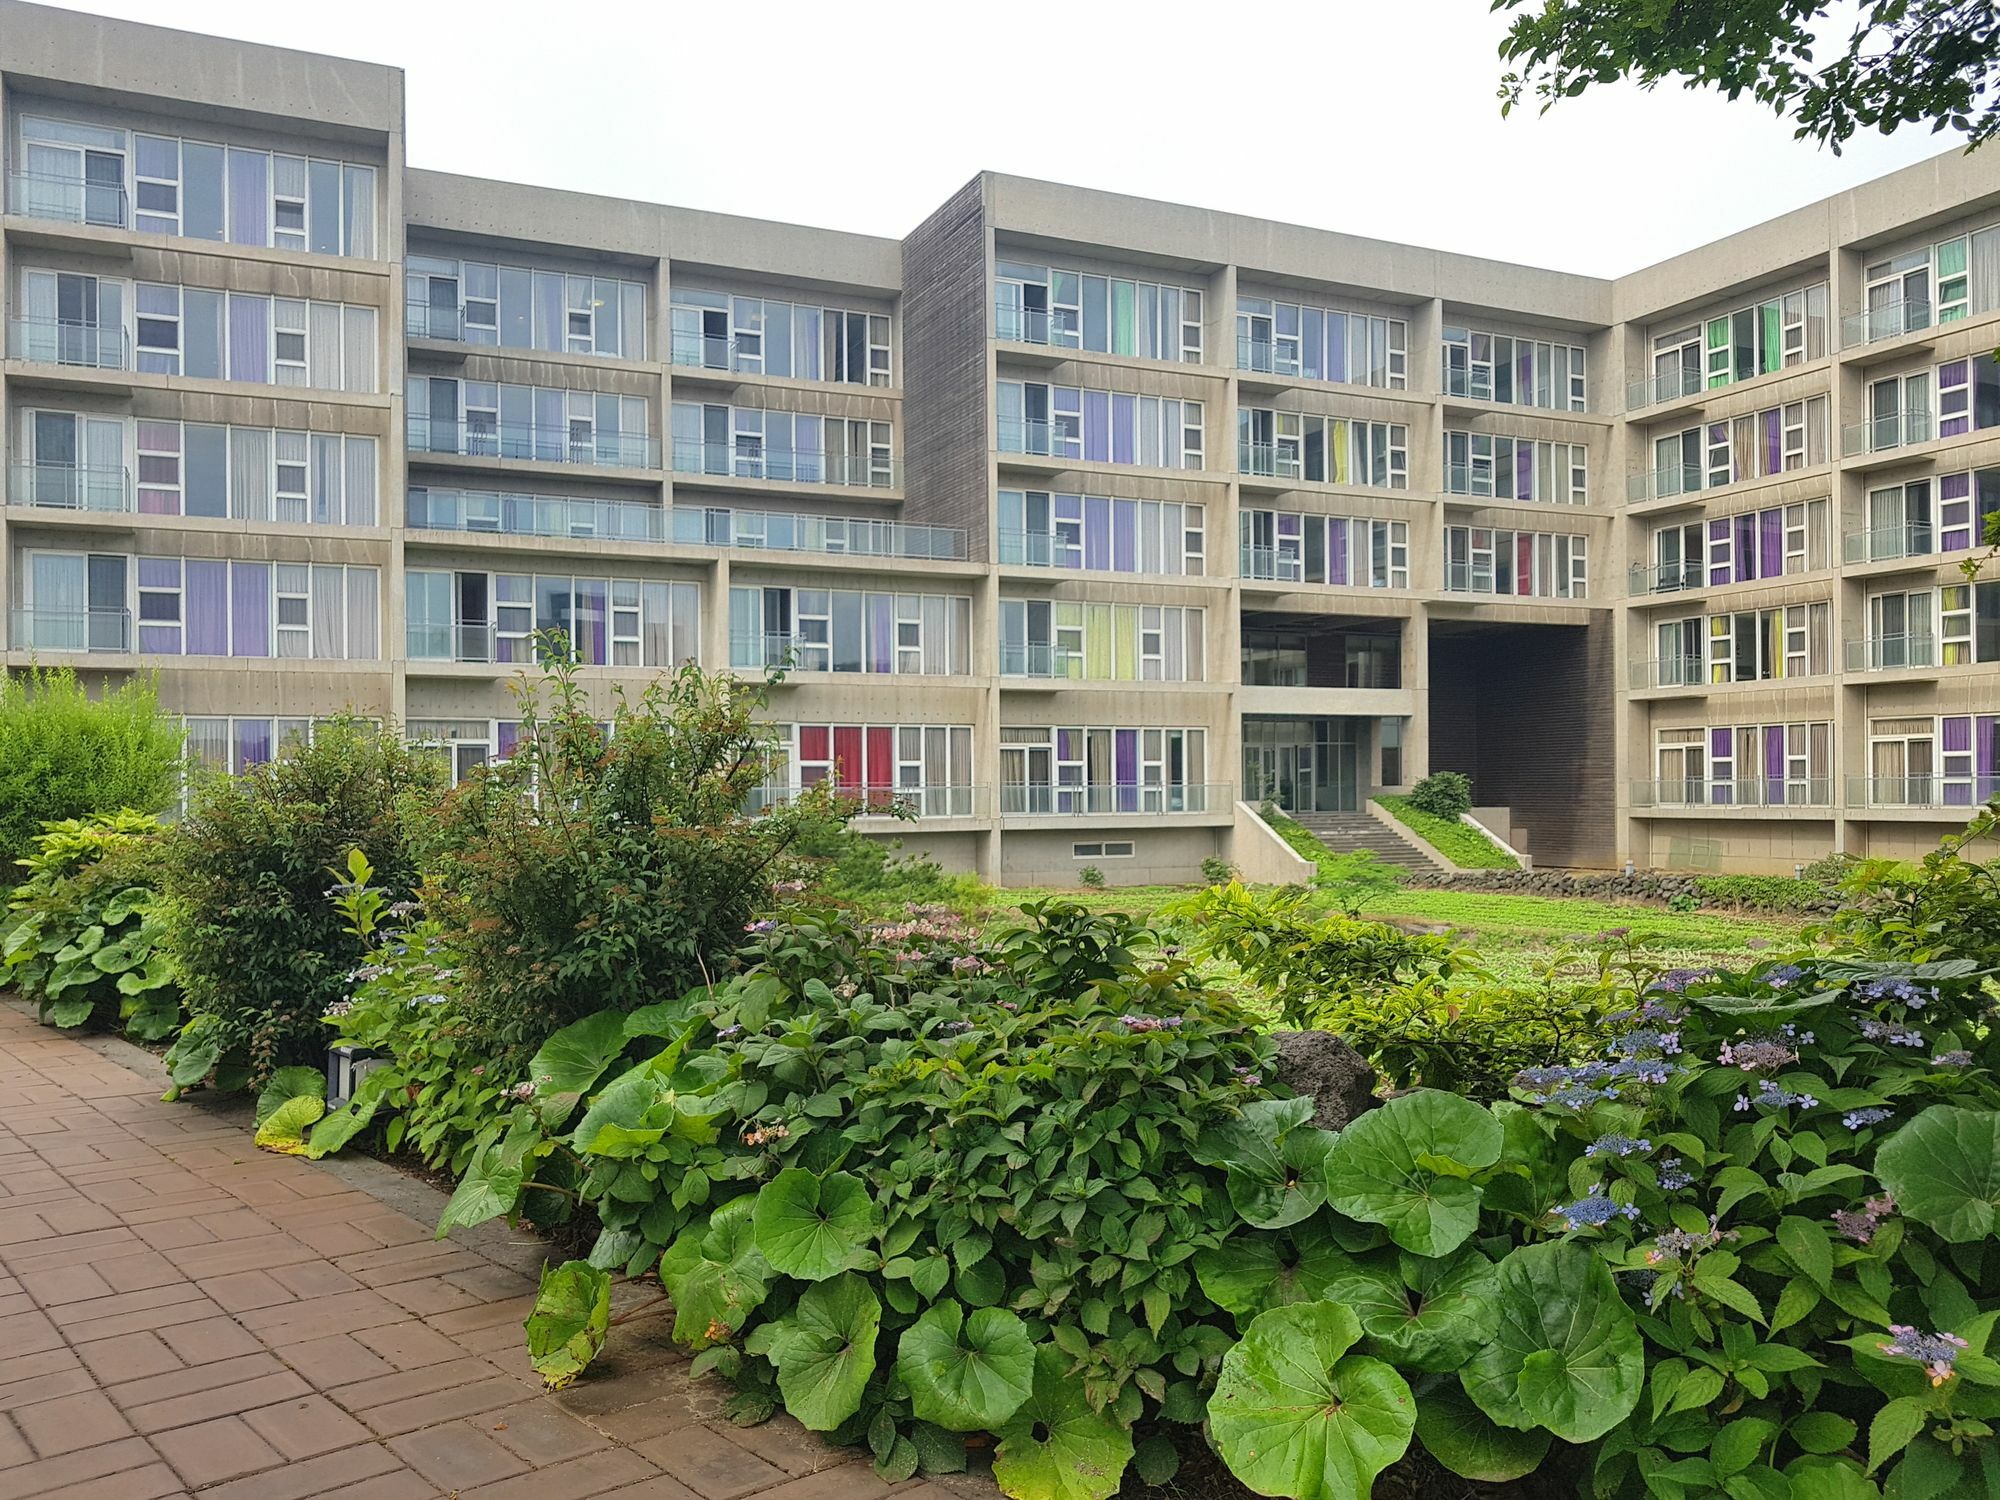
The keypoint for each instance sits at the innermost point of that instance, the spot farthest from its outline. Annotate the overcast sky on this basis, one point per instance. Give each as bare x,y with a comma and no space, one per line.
1375,117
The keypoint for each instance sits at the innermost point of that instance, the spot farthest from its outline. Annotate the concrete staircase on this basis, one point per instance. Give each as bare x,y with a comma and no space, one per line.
1343,833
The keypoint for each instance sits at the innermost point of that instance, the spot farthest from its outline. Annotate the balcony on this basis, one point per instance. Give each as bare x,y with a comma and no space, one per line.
1038,438
776,466
107,630
1665,578
1891,653
444,324
525,442
71,200
1887,543
1269,461
1663,484
1040,660
64,487
1658,390
903,802
54,342
1891,320
768,650
465,641
1028,325
534,515
1667,672
1896,429
1261,357
1700,793
1958,793
1023,800
848,536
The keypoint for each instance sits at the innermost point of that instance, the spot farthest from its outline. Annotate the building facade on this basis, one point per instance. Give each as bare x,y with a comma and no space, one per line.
1081,521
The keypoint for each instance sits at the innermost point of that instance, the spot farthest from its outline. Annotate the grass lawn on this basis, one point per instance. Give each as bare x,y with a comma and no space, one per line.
1458,842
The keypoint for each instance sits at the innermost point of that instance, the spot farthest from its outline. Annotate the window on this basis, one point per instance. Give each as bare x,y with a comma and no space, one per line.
1768,543
495,617
1756,445
924,769
1759,645
1098,426
1766,337
1106,314
1110,849
1482,560
1323,450
210,607
769,336
848,630
1087,641
489,419
462,301
1968,398
789,447
255,340
235,745
1085,770
1965,504
1344,551
1506,468
1321,343
1513,371
1044,530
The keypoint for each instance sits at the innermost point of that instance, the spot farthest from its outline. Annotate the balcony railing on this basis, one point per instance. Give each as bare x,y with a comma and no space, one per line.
1261,357
757,649
699,351
918,802
1022,325
1269,461
1035,436
1885,543
1292,672
1672,386
1666,578
1755,791
1896,429
534,515
1888,653
1667,672
1663,484
1039,660
778,466
66,488
778,531
1020,800
1268,564
49,341
1921,791
71,629
423,322
475,438
45,195
468,641
1887,321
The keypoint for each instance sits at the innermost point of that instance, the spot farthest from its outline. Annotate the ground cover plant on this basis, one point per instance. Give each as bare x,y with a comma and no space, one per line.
1461,843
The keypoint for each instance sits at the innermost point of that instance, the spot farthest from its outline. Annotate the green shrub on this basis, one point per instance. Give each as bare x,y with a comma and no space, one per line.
1216,870
64,754
261,950
82,932
874,875
589,872
1781,893
1352,880
1090,876
1462,844
1443,794
1946,907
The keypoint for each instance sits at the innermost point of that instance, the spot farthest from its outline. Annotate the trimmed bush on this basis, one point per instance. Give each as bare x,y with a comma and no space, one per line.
1443,794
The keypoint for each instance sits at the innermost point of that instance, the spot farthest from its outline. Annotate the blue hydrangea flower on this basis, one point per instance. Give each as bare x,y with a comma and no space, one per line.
1859,1119
1594,1210
1771,1096
1617,1145
1936,1352
1674,1175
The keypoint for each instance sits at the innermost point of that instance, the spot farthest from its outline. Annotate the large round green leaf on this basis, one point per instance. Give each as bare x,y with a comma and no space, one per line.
1406,1167
1055,1446
1943,1168
1419,1312
813,1227
287,1084
715,1275
572,1314
1462,1438
1295,1414
1247,1274
966,1374
1566,1354
571,1062
1274,1158
825,1351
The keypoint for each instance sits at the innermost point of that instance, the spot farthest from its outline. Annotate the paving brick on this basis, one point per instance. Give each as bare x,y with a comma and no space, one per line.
710,1464
650,1419
784,1441
131,1356
222,1401
456,1455
659,1487
211,1452
410,1384
68,1423
573,1479
14,1448
210,1339
312,1478
244,1291
314,1278
38,1479
542,1432
349,1312
147,1389
65,1284
132,1273
306,1426
336,1361
41,1377
153,1482
408,1345
441,1406
404,1484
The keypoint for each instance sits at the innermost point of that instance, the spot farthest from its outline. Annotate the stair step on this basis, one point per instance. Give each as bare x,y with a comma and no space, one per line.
1346,833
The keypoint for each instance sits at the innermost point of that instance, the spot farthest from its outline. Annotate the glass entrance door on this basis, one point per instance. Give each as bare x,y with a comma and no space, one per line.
1303,765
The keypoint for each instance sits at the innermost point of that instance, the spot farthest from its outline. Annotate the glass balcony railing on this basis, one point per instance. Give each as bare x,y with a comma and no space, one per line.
1268,564
1671,385
1665,578
1756,791
780,466
1889,653
67,488
759,649
1269,461
424,322
1921,791
534,515
918,802
1026,800
1038,660
1036,549
1663,484
72,200
1035,436
54,342
38,629
1896,429
1886,320
776,531
465,640
1263,357
698,351
475,437
1023,325
1667,672
1885,543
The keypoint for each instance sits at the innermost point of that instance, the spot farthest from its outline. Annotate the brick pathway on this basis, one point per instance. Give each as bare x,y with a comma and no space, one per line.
183,1314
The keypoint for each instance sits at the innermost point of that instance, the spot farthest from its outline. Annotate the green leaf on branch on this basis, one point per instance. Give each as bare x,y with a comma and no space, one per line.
1057,1446
1943,1168
1566,1353
966,1374
825,1351
716,1276
1405,1166
1466,1441
571,1316
813,1227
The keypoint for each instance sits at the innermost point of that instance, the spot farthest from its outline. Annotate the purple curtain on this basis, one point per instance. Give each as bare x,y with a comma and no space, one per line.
1722,747
205,606
1124,537
1956,739
249,199
250,609
1774,441
881,632
1985,744
590,621
1126,768
249,339
1097,426
1336,550
1772,559
1955,512
1096,532
1774,762
1124,429
1746,548
1524,471
165,636
1718,533
253,743
1953,399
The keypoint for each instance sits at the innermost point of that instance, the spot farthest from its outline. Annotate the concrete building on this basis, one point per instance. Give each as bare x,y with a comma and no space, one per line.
1078,547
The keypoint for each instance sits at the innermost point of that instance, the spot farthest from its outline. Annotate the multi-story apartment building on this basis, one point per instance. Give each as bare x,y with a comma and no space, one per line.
1083,522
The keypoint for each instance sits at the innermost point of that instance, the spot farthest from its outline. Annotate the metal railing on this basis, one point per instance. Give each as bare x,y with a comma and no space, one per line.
1261,357
1888,653
1667,672
64,487
758,649
1023,325
1921,791
1039,660
701,351
1293,672
1031,435
920,802
1672,386
53,341
70,629
45,195
1664,484
780,466
1267,461
1754,791
1023,800
425,322
778,531
1268,564
1037,549
1887,321
477,438
467,641
1896,429
1666,578
534,515
1885,543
